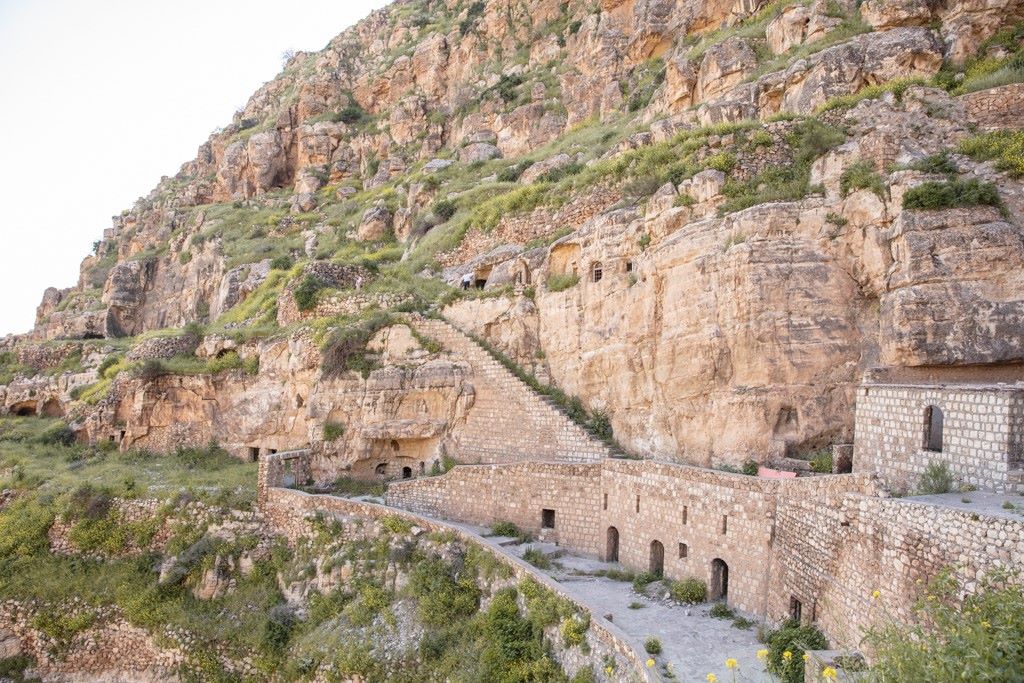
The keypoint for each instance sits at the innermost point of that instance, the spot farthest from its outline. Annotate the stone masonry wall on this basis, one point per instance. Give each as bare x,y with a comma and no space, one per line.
977,426
895,546
996,108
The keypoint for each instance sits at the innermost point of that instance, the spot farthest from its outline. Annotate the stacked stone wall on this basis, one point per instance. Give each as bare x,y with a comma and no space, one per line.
895,547
996,108
977,426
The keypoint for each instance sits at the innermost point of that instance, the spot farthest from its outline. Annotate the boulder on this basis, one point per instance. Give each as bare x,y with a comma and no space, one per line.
535,171
787,30
376,223
479,151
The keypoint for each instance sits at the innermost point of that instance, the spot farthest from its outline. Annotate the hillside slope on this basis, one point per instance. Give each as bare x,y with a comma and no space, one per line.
704,219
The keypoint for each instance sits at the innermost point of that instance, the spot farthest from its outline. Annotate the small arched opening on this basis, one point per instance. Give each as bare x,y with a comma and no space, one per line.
406,473
933,419
596,271
656,565
52,409
381,470
24,409
611,551
719,580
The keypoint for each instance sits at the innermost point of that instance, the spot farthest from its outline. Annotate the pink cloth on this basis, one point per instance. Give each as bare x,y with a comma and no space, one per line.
769,473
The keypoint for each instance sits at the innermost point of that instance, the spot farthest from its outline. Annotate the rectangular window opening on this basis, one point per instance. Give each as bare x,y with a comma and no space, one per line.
725,523
605,501
638,503
685,513
796,608
683,551
547,519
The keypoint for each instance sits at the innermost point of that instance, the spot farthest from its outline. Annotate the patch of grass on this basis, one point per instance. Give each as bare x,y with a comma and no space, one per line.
538,558
933,196
652,646
821,462
1004,147
720,610
897,87
333,431
562,281
636,605
861,175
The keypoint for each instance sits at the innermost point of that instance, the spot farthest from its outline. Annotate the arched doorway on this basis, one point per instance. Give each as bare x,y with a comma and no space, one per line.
657,563
406,473
612,547
719,580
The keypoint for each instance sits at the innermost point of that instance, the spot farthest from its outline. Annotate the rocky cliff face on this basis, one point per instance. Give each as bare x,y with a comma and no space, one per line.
693,215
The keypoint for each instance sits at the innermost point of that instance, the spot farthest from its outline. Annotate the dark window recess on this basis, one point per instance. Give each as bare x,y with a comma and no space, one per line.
725,523
547,519
254,453
933,429
629,266
597,272
638,503
796,608
685,513
606,501
683,551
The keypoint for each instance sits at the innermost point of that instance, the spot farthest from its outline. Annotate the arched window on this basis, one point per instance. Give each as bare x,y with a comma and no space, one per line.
933,429
596,271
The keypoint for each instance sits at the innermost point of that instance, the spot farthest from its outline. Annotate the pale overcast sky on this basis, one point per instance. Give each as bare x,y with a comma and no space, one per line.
99,99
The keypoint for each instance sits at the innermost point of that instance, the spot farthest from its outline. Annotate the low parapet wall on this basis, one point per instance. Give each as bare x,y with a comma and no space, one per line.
290,513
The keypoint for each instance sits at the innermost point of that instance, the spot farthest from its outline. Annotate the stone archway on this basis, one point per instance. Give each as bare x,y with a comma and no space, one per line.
719,580
611,553
656,565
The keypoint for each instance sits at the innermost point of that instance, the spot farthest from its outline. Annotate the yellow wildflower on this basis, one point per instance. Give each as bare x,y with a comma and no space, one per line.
807,657
711,678
876,594
787,655
829,674
985,624
762,655
608,670
650,663
731,663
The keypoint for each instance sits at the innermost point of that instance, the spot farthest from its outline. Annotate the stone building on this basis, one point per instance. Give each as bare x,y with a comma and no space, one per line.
976,430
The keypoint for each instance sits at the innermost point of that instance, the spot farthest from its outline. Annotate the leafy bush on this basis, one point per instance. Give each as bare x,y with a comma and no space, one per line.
786,649
281,263
443,596
511,173
444,209
574,630
750,468
861,175
562,282
936,479
897,87
641,581
689,591
936,163
307,293
505,529
652,646
822,462
952,194
977,638
333,431
351,114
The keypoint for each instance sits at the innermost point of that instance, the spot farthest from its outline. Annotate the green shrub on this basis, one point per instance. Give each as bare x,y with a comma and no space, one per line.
307,293
822,462
346,348
641,581
333,431
1004,147
396,525
574,630
444,209
897,87
443,596
786,648
934,196
351,114
537,558
936,479
229,360
505,529
750,468
281,263
689,591
936,163
720,610
652,646
562,282
861,175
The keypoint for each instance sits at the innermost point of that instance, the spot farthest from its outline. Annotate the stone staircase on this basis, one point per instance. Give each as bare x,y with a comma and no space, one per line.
509,421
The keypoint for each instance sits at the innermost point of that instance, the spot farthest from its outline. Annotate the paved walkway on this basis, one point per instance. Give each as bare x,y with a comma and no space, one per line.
1008,505
694,644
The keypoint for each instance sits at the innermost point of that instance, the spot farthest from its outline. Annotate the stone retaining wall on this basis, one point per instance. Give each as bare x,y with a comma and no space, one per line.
290,513
996,108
